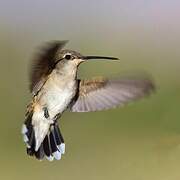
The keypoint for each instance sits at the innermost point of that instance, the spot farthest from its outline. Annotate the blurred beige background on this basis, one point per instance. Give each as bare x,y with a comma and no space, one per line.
140,141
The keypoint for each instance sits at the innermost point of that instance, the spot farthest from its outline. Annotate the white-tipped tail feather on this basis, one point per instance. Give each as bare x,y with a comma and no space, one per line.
52,145
62,148
24,129
57,155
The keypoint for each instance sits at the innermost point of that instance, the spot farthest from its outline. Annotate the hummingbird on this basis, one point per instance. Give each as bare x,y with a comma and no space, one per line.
55,87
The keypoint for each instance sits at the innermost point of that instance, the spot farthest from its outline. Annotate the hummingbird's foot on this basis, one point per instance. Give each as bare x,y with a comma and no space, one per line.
46,113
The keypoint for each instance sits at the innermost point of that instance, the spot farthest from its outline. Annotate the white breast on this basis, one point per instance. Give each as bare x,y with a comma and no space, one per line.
58,99
57,93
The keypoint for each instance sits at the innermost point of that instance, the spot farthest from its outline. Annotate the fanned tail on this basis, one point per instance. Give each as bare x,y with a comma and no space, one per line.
52,146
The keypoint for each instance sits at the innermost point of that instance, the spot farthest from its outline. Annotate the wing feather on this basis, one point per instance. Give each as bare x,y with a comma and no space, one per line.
98,94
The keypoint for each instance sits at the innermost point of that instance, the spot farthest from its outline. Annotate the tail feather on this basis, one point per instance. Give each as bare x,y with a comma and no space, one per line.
40,153
53,143
60,142
52,146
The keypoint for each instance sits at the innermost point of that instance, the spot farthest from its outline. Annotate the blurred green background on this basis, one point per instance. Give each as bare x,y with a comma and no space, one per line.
140,141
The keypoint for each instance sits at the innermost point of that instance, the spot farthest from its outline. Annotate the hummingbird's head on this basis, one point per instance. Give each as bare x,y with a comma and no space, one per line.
75,58
53,57
68,57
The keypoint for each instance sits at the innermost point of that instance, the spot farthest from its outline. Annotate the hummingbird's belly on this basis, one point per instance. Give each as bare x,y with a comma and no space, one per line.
57,99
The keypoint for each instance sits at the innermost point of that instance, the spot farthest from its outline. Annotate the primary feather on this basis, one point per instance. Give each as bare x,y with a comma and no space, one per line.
98,94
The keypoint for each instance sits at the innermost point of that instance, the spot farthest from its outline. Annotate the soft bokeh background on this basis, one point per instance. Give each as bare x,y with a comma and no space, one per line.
140,141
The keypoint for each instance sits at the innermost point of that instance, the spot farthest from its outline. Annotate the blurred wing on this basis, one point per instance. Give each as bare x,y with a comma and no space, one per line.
43,64
99,94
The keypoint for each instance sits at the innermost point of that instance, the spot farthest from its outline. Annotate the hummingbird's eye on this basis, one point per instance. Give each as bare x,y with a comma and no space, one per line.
68,56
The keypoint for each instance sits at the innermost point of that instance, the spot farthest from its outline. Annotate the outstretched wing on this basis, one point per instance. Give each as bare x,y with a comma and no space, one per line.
43,64
99,94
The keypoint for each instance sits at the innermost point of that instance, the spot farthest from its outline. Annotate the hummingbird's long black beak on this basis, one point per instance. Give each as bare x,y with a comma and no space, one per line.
99,57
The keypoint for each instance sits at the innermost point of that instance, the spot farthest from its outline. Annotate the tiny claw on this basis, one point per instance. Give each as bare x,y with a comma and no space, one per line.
46,113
